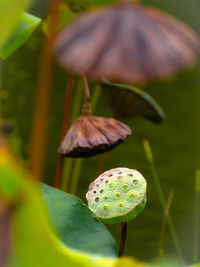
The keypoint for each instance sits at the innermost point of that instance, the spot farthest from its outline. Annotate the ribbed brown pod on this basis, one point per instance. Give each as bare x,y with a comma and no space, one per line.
127,42
90,135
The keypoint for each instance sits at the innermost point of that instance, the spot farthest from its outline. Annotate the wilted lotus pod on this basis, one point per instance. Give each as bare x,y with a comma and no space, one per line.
117,195
127,42
90,135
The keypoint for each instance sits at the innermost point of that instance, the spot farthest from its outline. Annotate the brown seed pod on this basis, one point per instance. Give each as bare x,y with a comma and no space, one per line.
127,42
90,135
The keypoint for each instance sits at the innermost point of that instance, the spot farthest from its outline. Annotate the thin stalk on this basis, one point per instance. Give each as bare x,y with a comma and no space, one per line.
123,238
70,85
67,165
95,98
42,103
102,163
77,103
76,175
170,223
163,225
86,105
68,162
197,216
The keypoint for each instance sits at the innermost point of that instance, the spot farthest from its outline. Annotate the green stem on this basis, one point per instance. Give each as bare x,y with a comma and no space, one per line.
67,166
170,223
197,216
163,225
95,98
86,105
102,163
76,175
123,239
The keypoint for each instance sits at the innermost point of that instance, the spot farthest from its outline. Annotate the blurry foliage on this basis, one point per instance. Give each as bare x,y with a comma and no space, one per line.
10,12
25,26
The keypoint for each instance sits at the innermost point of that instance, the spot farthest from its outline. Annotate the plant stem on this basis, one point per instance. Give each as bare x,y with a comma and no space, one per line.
163,225
70,85
86,105
123,238
95,98
76,175
42,103
172,230
67,166
197,216
68,162
102,163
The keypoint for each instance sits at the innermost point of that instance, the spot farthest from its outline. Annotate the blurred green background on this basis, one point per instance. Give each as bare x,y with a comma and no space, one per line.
175,143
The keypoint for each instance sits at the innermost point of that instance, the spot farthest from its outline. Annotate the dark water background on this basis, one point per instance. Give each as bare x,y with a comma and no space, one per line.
175,143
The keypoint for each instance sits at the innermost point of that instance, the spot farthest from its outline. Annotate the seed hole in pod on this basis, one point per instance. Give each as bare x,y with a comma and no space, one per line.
105,206
125,186
97,185
119,172
106,197
101,179
130,174
135,182
120,177
131,194
101,191
94,192
96,199
110,175
111,185
106,181
117,194
120,204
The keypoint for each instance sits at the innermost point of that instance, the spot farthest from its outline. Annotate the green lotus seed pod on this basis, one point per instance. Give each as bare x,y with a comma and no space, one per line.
117,195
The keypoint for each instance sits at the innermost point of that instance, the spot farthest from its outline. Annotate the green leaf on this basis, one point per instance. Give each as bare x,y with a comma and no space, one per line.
130,101
77,226
26,25
10,12
33,243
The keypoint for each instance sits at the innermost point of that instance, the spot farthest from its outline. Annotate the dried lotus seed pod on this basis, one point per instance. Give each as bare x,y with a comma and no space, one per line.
117,195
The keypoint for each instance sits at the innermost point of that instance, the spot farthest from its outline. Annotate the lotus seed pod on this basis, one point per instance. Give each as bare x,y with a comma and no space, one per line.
117,195
127,42
90,135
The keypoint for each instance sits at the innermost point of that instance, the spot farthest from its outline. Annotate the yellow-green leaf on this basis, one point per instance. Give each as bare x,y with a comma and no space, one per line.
10,12
24,28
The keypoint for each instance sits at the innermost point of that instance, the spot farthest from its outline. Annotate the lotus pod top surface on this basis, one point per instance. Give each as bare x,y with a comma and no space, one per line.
117,195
